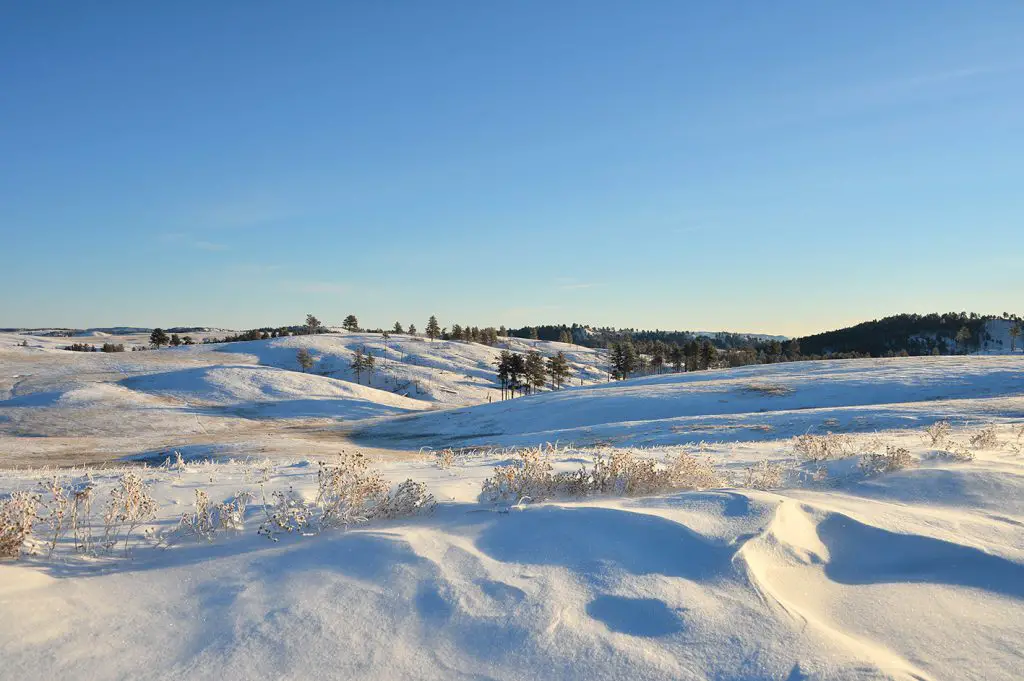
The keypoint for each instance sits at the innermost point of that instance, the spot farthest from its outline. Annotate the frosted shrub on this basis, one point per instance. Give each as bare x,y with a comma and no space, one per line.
821,447
59,508
689,472
130,505
409,498
231,513
619,473
289,513
528,478
985,438
200,522
763,475
938,433
446,458
18,514
81,517
348,492
894,459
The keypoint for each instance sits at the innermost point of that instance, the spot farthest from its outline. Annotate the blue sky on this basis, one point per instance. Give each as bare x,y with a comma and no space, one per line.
781,167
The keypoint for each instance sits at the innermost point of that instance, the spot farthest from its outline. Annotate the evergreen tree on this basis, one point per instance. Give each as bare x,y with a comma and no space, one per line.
313,324
534,333
358,364
456,332
1014,335
564,336
962,337
158,338
677,357
368,363
433,328
350,323
558,369
412,329
304,359
175,340
504,362
187,340
398,328
708,354
535,370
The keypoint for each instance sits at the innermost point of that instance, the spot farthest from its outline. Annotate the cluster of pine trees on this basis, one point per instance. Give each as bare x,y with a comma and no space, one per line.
528,372
85,347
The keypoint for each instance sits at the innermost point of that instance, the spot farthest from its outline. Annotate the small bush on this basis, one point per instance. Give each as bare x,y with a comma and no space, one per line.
821,447
894,459
985,438
18,515
130,505
620,473
289,513
938,433
764,475
446,458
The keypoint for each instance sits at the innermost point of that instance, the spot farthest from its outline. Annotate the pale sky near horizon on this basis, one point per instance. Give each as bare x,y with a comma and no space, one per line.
784,167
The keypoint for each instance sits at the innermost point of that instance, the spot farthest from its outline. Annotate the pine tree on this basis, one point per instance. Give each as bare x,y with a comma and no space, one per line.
677,357
412,329
158,338
368,364
187,340
357,364
175,340
456,332
535,370
312,324
564,336
304,359
1014,335
398,328
558,369
962,336
433,328
708,354
350,323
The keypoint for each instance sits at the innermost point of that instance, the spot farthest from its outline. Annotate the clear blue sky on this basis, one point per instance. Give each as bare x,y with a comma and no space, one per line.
759,166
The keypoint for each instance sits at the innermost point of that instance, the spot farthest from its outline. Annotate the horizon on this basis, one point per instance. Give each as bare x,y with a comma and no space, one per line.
755,169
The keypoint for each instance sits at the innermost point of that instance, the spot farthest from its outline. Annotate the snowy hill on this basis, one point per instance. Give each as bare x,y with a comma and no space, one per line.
755,402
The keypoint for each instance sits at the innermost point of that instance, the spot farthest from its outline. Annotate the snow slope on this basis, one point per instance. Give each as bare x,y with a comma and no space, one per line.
914,575
755,402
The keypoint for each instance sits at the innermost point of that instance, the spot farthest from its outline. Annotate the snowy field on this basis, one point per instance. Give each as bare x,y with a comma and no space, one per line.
857,519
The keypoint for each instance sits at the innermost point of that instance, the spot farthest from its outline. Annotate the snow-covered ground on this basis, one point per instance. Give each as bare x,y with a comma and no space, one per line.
58,406
786,569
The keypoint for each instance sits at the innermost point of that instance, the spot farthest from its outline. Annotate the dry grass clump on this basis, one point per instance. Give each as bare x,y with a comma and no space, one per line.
822,447
619,473
768,389
445,458
207,519
893,459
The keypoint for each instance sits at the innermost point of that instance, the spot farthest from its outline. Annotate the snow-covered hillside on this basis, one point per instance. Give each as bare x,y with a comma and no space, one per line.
749,403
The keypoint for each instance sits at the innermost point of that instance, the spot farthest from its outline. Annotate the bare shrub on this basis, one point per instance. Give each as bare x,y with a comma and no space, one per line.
619,473
130,505
289,513
893,459
446,458
81,517
231,513
960,453
18,515
822,447
764,475
199,522
348,492
938,433
985,438
59,507
409,498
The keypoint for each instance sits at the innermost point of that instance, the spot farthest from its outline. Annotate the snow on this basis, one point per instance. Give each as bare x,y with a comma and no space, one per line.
915,574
